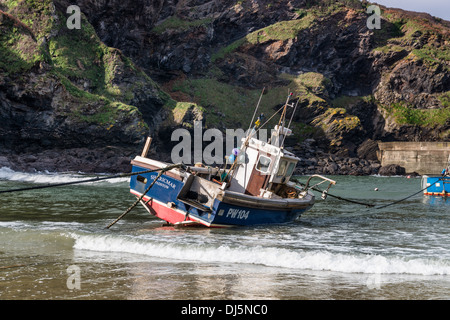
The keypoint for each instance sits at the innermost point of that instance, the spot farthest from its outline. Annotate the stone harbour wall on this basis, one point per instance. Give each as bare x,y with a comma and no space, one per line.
425,158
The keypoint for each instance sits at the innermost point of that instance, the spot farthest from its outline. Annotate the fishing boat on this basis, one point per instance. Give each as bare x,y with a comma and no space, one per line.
437,186
254,190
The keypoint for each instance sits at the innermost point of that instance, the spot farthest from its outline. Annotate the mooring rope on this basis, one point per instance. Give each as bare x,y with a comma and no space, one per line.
120,175
372,206
161,171
334,196
397,201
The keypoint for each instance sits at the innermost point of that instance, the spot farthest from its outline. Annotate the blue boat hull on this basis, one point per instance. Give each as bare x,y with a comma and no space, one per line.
162,201
436,186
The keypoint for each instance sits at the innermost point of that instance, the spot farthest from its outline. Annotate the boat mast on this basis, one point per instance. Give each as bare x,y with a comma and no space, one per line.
282,120
290,120
250,132
256,109
283,115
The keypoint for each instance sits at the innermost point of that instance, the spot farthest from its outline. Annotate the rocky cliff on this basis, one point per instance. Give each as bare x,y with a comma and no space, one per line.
139,66
67,101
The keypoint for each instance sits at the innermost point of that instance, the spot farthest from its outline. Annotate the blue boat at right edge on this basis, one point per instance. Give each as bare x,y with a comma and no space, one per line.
438,186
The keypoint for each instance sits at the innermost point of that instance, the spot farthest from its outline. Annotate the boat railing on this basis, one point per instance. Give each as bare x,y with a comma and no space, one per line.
323,180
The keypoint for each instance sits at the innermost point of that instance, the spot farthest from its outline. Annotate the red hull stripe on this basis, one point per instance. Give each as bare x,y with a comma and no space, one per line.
166,213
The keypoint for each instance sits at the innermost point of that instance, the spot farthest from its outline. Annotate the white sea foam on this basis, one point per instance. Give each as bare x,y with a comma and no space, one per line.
273,257
42,226
46,177
14,225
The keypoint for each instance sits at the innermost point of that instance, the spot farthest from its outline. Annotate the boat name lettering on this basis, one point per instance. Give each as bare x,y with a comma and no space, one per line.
238,214
163,182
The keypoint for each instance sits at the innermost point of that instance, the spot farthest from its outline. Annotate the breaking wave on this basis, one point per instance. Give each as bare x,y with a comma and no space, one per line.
272,257
47,177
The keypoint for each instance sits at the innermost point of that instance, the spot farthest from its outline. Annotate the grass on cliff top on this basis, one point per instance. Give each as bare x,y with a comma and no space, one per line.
282,30
178,110
79,58
88,70
224,104
230,106
430,53
407,31
404,114
309,86
78,54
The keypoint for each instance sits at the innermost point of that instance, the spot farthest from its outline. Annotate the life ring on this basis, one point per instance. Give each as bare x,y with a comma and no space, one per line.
291,192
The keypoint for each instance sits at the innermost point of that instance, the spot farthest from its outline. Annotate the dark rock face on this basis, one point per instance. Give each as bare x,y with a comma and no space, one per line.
246,71
41,124
54,99
315,160
82,160
392,170
168,37
415,83
341,55
368,150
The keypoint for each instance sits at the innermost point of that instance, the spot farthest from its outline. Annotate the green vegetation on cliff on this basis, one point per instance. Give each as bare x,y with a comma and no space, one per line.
35,36
228,106
405,114
282,30
415,34
19,47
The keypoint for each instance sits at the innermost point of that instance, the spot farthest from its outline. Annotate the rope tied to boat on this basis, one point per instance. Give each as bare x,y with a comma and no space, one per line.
365,203
139,199
331,195
96,179
415,193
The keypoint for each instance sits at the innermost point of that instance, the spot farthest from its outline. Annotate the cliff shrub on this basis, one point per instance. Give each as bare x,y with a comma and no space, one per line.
405,114
176,23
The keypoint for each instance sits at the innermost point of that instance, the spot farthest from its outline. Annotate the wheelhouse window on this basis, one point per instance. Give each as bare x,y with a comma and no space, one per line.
263,164
290,169
282,168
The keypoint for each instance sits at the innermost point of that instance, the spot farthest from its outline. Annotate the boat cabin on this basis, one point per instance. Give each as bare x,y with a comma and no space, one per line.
263,168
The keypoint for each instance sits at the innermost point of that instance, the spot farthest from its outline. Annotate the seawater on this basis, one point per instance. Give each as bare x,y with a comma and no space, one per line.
337,250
